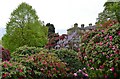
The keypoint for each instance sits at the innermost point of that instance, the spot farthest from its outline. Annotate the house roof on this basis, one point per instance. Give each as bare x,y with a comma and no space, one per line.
85,28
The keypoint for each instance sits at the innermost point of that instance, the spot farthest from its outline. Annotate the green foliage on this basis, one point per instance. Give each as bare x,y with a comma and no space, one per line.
24,28
27,50
111,11
101,51
70,57
41,65
0,42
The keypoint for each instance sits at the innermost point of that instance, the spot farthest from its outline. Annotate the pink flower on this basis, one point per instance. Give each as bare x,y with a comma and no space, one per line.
86,75
102,66
103,53
105,76
5,65
92,68
111,55
20,70
84,68
100,43
110,37
107,56
80,70
119,32
110,25
112,69
102,30
88,64
75,74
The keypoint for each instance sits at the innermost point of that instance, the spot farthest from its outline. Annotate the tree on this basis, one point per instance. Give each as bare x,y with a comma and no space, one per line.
51,29
110,12
0,42
24,28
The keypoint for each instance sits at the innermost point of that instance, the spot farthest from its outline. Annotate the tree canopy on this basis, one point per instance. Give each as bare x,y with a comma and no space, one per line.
110,12
51,29
24,28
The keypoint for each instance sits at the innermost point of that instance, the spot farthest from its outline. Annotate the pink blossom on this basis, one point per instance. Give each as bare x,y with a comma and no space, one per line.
110,25
107,56
111,55
92,68
110,37
103,53
86,75
105,76
84,68
102,66
112,69
119,32
113,48
105,38
102,30
80,70
75,74
20,70
100,43
88,64
5,65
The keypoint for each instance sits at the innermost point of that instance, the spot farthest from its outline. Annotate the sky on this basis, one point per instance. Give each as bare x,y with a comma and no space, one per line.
62,13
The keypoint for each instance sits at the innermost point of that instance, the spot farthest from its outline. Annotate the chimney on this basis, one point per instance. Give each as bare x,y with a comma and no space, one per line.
75,25
90,24
82,25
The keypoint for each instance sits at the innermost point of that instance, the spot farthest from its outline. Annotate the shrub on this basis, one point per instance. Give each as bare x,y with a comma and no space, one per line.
4,54
70,57
40,65
101,53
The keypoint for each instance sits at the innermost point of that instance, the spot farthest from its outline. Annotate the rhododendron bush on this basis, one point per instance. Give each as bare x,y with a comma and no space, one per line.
100,51
41,65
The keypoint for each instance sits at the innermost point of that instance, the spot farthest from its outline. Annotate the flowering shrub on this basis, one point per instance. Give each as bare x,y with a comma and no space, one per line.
4,54
40,65
100,52
70,57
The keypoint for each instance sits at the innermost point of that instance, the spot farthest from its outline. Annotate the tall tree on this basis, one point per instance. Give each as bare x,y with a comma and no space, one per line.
110,12
24,28
51,29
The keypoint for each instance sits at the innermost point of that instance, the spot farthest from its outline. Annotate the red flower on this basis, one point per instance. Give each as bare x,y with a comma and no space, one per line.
5,65
110,25
4,75
20,70
115,75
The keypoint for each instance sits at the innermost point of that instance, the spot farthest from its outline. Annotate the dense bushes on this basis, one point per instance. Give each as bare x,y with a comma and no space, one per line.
41,65
100,51
70,57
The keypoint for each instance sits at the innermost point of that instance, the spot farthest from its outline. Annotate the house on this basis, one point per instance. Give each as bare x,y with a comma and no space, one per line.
80,30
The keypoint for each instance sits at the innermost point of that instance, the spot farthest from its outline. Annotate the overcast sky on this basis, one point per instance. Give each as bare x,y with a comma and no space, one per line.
62,13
